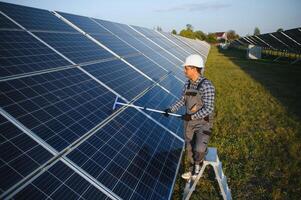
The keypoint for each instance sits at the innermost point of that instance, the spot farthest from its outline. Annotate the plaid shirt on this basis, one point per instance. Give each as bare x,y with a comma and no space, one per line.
208,91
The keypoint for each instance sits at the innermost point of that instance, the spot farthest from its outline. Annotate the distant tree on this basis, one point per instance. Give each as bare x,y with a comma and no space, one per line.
200,35
231,35
256,31
211,38
189,27
187,33
279,29
174,32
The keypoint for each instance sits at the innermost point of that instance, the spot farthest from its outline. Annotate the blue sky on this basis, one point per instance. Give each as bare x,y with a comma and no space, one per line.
206,15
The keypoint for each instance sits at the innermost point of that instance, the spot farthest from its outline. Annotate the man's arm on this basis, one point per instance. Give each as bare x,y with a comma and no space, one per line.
208,101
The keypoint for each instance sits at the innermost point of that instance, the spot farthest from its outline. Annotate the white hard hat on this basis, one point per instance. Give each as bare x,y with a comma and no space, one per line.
194,60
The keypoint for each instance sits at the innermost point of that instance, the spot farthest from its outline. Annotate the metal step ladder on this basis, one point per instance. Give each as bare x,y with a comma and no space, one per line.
210,159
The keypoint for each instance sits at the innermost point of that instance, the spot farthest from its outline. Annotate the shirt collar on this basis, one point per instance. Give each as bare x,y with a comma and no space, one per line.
197,81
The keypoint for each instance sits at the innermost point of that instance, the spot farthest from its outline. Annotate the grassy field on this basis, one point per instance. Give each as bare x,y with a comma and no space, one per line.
257,129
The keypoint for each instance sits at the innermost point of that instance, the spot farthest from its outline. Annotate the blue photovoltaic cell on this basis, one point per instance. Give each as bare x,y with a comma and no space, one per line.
34,19
145,46
120,77
19,155
100,34
159,99
178,42
60,182
168,66
198,45
6,23
22,53
84,23
76,47
138,41
127,34
163,42
173,85
147,66
59,106
115,44
132,156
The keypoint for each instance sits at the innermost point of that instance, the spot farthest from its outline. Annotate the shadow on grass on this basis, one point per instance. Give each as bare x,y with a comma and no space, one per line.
281,79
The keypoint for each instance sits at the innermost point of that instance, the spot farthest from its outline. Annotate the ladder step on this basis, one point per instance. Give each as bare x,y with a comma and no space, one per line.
211,155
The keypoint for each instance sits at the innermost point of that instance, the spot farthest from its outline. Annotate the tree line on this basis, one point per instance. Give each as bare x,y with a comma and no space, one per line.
198,34
189,32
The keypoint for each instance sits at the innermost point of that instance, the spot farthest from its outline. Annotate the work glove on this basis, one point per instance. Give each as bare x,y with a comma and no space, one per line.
167,111
186,117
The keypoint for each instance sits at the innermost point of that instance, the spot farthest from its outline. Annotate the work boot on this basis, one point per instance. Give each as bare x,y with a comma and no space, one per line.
196,170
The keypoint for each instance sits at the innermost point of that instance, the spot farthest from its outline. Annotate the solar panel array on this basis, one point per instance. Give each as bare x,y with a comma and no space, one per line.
289,40
60,138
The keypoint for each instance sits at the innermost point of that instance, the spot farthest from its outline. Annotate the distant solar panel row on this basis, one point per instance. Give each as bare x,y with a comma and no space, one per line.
60,138
289,40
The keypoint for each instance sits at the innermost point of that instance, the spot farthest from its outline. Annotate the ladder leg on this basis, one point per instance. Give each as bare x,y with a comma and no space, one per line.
193,183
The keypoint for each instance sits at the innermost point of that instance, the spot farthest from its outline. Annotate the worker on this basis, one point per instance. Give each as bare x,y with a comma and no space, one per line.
198,98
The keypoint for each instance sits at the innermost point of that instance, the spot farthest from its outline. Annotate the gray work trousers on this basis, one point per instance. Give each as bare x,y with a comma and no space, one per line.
197,134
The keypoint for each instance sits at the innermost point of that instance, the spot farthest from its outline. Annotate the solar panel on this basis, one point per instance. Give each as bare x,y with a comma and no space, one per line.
6,23
34,19
292,45
75,46
145,46
179,43
199,46
22,53
85,23
115,44
58,106
295,34
20,155
60,182
272,41
98,152
146,66
174,85
259,42
100,34
125,30
289,40
132,156
164,43
159,99
120,77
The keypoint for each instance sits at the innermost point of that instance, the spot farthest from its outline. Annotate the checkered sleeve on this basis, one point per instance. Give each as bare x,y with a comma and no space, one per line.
180,102
208,92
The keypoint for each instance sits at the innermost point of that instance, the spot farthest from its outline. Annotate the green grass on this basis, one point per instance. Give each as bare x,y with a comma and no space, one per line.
257,128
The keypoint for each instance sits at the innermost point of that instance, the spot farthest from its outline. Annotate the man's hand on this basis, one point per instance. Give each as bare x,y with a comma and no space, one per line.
167,111
186,117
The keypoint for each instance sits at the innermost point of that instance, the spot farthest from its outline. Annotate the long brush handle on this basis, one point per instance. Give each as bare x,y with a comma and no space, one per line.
144,108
